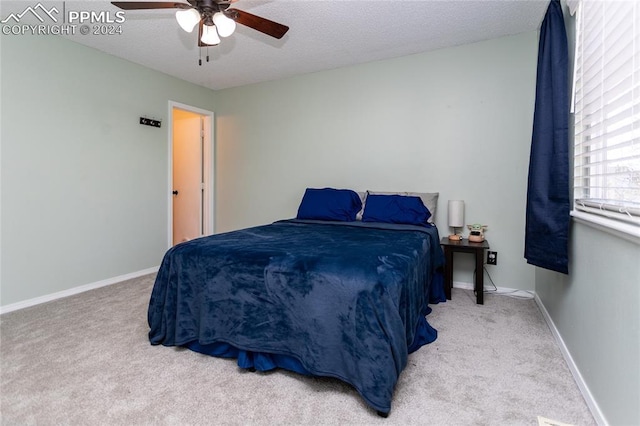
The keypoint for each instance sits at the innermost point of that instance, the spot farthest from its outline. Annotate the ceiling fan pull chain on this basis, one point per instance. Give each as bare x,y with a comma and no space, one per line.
207,53
200,53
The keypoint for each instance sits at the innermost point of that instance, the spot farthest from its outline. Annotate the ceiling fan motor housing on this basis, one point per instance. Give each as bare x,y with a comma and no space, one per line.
208,8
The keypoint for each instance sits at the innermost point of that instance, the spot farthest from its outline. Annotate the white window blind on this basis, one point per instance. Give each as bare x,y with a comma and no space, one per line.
607,110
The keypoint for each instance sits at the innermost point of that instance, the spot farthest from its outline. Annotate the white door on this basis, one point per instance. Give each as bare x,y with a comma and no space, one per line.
188,175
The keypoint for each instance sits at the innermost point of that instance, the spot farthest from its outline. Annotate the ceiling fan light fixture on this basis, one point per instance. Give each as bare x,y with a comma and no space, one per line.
210,35
188,19
225,26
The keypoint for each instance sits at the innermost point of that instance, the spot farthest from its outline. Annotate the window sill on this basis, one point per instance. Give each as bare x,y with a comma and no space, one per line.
619,229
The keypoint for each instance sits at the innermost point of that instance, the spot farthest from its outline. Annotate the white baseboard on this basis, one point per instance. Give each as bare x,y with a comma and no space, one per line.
463,285
582,385
501,291
75,290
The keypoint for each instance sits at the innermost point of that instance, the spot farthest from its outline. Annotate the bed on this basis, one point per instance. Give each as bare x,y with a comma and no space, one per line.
325,297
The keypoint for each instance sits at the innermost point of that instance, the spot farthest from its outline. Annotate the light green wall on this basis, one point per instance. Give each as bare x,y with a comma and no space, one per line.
83,184
457,121
87,182
596,310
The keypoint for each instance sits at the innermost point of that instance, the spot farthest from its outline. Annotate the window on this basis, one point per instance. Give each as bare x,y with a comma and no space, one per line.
607,114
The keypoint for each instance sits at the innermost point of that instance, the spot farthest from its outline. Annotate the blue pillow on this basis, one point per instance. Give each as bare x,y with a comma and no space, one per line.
329,204
395,209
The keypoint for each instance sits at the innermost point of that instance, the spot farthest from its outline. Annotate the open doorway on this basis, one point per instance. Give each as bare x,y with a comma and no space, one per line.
191,174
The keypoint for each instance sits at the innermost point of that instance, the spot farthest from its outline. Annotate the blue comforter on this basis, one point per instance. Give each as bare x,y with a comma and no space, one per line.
344,300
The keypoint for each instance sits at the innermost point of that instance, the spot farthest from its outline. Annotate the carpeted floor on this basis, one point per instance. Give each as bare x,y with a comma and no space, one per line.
86,360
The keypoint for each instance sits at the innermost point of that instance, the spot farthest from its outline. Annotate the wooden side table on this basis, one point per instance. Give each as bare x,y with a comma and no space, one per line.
464,246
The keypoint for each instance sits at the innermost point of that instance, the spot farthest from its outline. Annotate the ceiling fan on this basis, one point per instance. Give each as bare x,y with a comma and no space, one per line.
213,17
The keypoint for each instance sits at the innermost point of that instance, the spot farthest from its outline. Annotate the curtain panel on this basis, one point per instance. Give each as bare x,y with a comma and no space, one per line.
548,204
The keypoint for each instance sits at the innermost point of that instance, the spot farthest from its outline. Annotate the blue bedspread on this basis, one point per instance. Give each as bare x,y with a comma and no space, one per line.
344,300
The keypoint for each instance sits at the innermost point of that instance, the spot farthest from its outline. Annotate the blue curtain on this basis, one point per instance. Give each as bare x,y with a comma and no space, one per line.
548,205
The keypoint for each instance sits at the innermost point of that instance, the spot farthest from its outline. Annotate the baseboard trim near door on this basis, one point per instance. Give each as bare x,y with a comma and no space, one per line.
597,414
75,290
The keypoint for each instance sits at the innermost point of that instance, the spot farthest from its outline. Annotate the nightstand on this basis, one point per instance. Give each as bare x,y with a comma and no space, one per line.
464,246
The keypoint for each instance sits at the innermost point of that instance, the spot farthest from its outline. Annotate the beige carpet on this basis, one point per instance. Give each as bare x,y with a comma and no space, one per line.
86,360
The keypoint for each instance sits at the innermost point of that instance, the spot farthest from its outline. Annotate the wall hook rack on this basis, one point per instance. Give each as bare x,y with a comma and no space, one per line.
150,122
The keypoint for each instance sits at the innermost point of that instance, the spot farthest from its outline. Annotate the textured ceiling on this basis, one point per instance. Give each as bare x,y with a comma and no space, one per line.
324,34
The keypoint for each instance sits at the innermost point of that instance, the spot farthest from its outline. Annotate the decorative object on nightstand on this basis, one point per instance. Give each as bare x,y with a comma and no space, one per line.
476,232
456,218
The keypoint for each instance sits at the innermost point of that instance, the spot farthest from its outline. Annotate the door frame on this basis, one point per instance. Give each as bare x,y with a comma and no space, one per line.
208,156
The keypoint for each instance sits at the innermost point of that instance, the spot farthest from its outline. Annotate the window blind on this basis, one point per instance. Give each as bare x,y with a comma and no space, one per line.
607,109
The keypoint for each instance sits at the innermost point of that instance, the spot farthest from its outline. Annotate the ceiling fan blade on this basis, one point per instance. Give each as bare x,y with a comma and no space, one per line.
137,5
258,23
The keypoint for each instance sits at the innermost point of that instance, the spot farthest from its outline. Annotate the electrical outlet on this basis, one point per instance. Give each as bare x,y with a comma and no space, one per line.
492,258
